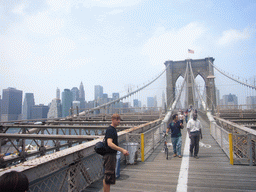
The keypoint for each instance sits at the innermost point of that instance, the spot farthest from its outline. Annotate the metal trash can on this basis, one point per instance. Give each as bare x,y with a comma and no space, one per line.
132,148
118,157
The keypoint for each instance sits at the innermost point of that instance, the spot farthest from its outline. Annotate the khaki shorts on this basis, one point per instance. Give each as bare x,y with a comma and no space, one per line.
110,168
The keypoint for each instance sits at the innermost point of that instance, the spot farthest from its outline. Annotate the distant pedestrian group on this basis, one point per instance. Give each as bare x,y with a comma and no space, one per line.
194,129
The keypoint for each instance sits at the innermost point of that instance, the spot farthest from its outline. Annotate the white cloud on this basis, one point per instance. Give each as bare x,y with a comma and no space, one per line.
110,3
57,5
19,9
62,46
233,35
115,12
44,24
173,45
16,49
54,56
79,62
50,64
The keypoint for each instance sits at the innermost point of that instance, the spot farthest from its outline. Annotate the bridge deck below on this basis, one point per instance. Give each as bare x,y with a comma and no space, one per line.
211,172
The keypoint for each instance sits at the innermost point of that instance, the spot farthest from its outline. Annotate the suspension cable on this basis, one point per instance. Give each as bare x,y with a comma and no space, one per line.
169,113
121,98
195,88
245,84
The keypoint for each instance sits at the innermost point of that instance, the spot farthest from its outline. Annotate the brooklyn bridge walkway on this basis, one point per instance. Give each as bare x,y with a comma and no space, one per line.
211,172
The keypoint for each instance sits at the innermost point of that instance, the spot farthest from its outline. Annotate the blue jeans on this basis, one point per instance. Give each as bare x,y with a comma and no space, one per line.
176,144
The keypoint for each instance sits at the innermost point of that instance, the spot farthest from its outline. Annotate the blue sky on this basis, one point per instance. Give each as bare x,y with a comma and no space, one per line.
115,43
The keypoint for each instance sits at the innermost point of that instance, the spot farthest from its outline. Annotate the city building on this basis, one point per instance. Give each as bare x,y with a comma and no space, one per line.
150,101
75,94
98,92
39,111
117,105
135,103
155,102
55,109
115,96
81,92
58,93
82,97
28,103
251,102
75,107
140,104
90,105
230,100
66,102
11,104
105,96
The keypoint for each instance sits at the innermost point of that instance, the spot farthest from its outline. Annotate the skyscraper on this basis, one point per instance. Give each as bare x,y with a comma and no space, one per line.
55,109
135,103
75,94
28,103
81,97
39,111
98,92
81,92
66,102
11,104
58,93
115,96
150,101
155,101
251,102
75,105
230,100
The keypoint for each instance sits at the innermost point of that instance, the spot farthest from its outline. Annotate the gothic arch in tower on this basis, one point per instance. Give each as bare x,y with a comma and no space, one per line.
202,67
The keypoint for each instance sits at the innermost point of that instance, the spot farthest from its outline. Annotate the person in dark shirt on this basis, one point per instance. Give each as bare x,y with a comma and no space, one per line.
111,138
175,126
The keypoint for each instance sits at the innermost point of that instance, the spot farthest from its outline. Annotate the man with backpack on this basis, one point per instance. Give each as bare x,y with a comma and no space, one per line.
111,139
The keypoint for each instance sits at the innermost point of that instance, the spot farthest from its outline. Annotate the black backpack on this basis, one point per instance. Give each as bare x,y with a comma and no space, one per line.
101,147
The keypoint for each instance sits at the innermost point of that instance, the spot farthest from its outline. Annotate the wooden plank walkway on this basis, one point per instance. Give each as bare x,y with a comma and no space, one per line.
211,172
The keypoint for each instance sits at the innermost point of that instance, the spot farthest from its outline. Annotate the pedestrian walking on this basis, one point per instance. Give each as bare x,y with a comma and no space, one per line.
181,116
175,126
186,116
111,139
194,128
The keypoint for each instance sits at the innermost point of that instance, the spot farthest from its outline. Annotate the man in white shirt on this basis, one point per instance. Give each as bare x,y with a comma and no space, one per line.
194,128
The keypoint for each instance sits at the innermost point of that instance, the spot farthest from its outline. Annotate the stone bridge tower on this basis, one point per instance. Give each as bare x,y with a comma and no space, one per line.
202,67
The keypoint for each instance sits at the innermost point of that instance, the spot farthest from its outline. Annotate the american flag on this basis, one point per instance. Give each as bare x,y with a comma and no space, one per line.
191,51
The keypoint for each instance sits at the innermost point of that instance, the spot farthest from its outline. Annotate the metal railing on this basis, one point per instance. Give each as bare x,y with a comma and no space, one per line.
22,142
221,136
75,168
147,141
152,138
237,142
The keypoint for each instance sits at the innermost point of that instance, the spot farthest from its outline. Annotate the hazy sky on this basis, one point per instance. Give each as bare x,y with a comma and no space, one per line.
116,43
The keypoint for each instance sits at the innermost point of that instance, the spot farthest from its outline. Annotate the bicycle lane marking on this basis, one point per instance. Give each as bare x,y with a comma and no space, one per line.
183,176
